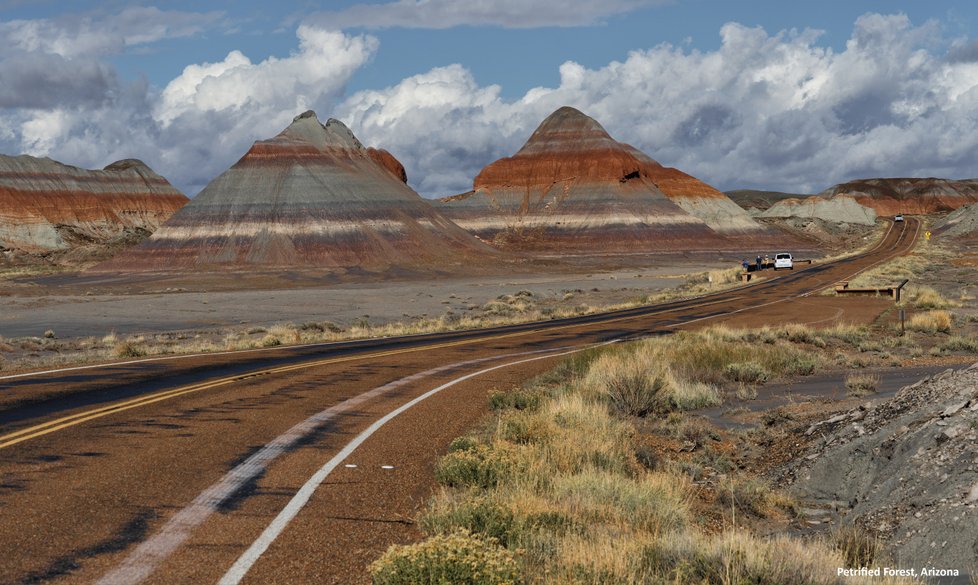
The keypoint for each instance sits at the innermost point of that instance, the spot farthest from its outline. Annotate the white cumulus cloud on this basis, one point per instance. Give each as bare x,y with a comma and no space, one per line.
191,130
764,110
769,110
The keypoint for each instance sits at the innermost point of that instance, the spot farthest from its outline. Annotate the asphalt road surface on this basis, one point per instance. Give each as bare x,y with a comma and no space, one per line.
287,465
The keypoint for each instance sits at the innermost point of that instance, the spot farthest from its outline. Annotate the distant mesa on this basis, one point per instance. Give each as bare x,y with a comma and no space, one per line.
311,197
573,188
862,201
47,206
921,196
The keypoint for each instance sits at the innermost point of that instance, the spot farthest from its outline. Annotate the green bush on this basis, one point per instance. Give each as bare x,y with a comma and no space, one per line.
459,558
519,399
476,514
462,444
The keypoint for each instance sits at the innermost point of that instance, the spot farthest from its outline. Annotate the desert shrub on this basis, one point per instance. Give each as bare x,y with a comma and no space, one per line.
746,373
967,344
481,466
861,384
271,341
858,547
631,382
724,276
846,333
685,395
457,558
520,427
749,496
798,333
517,398
462,444
479,514
49,334
129,349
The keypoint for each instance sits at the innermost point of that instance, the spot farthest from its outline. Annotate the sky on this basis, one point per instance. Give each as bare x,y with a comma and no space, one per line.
742,94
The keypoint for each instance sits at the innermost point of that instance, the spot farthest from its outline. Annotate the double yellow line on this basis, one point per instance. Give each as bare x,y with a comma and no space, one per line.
40,430
76,419
68,421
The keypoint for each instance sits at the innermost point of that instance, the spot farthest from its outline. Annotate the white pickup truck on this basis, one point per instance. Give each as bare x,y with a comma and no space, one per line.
783,260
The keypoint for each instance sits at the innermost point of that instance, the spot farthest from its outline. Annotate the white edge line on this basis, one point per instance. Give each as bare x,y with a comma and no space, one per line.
247,560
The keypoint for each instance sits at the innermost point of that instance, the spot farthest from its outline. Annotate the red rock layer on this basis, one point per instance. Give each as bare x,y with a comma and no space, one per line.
908,195
45,205
573,188
312,197
673,182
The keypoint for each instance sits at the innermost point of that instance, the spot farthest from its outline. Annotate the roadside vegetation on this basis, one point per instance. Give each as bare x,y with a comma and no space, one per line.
592,473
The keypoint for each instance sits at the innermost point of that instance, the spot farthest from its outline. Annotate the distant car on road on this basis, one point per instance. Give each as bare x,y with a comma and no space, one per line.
783,260
898,217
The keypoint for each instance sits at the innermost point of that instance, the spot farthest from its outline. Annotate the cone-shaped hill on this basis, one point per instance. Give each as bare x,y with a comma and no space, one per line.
312,197
573,187
47,206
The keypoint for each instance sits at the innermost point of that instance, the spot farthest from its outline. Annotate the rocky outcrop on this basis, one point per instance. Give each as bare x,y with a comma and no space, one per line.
888,197
46,206
905,469
961,223
573,189
838,209
755,201
311,197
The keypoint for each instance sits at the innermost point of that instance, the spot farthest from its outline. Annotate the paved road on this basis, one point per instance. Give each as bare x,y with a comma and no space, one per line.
281,466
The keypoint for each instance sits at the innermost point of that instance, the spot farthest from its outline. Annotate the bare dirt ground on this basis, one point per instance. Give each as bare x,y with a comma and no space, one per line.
78,315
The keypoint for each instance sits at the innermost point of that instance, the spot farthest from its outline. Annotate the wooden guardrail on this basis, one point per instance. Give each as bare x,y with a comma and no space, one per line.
890,291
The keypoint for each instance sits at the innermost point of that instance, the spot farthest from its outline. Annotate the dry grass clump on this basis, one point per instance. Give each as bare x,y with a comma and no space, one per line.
129,349
687,370
931,322
859,548
925,297
725,276
862,384
640,381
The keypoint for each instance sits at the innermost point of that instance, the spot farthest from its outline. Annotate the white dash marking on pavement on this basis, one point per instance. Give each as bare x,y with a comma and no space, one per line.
350,465
387,467
244,563
146,557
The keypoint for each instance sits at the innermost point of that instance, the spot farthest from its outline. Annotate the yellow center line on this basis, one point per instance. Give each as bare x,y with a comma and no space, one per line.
76,419
79,418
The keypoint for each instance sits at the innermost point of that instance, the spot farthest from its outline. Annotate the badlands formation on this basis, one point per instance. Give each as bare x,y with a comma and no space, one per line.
961,224
889,197
861,201
574,189
46,206
311,197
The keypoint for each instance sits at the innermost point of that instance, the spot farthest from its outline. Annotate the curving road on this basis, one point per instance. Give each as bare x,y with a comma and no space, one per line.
295,464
